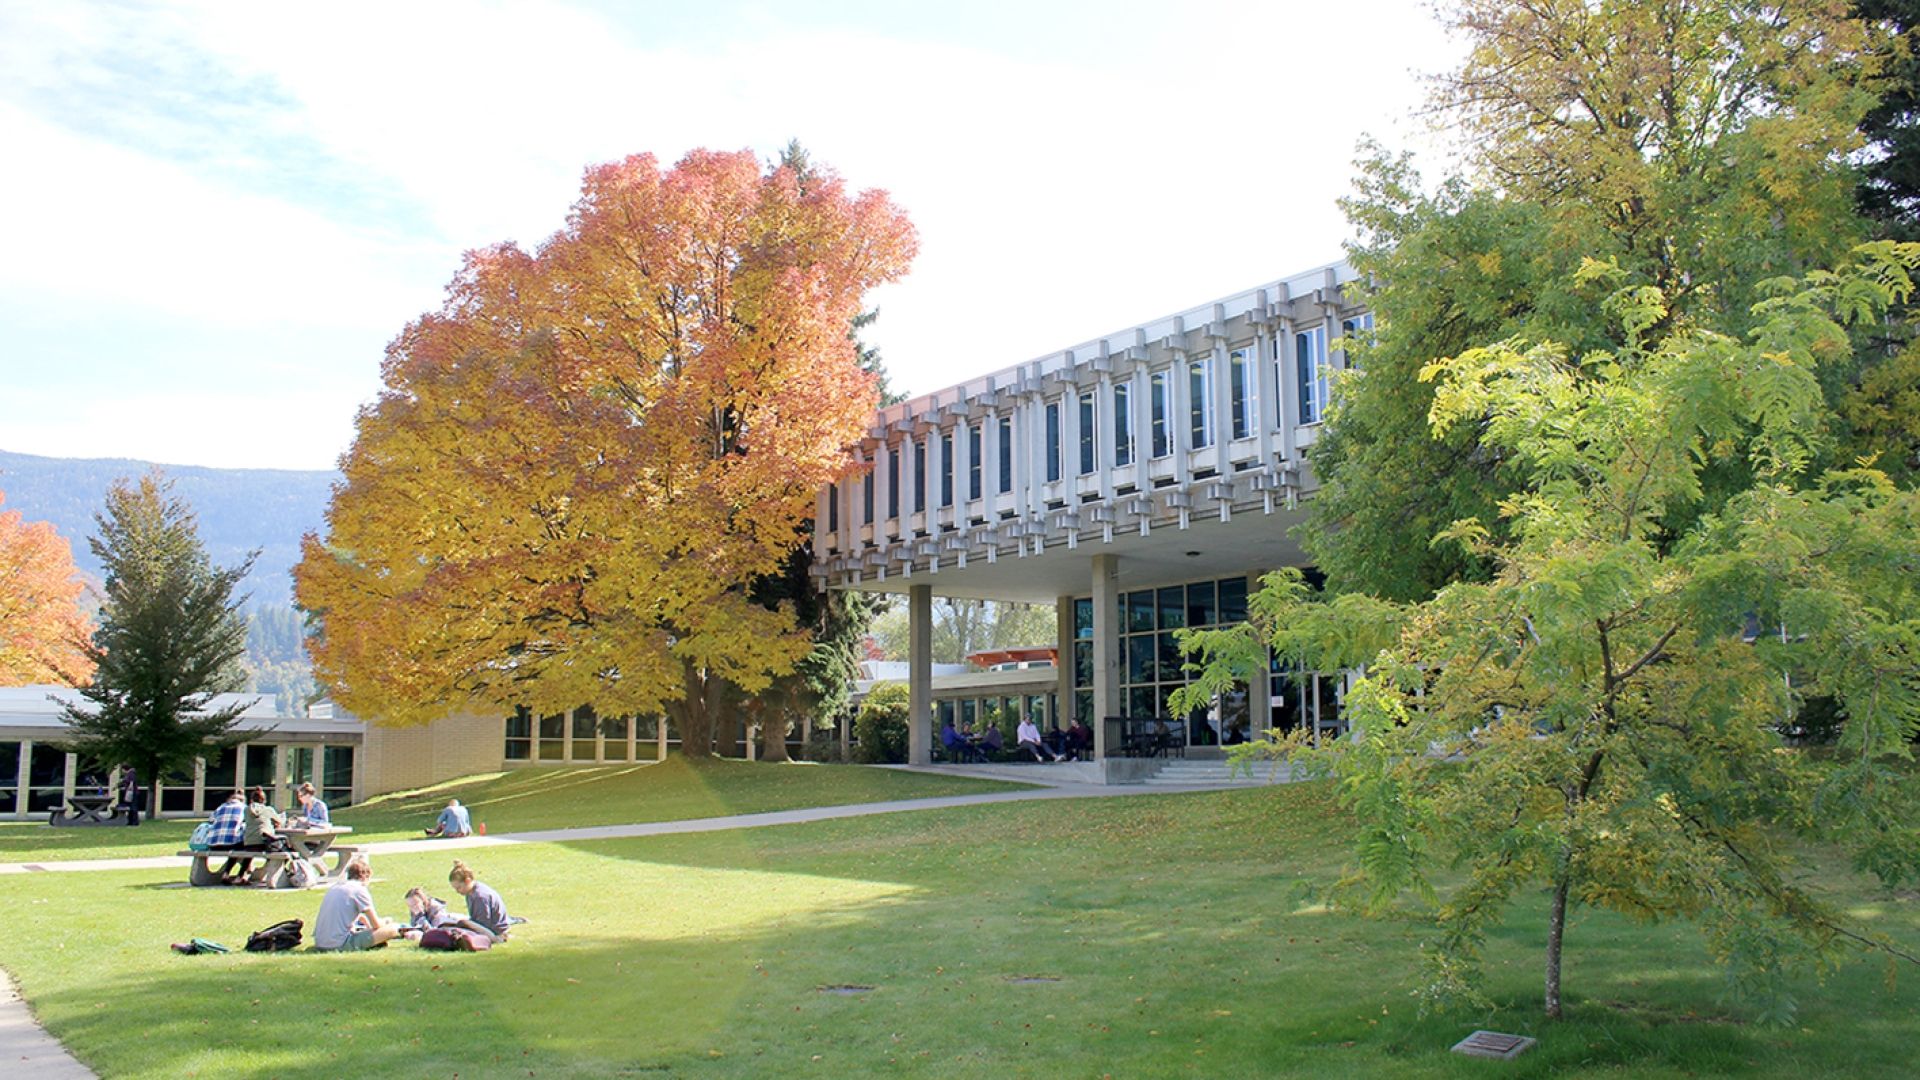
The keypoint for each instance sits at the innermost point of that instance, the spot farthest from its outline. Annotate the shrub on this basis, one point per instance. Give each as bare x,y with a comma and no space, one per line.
881,725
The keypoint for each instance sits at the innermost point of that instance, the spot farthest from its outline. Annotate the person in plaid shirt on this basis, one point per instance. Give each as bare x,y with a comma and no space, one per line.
229,829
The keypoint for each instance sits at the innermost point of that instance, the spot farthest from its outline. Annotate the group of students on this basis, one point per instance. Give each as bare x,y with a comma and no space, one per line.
347,921
250,824
1076,742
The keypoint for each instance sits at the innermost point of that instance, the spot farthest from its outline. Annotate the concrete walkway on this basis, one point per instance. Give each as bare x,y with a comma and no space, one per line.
655,828
25,1047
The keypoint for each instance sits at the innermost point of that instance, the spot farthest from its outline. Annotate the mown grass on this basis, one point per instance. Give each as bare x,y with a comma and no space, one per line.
1166,933
542,798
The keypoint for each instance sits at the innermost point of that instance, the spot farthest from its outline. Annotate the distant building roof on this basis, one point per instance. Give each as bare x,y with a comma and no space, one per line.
25,710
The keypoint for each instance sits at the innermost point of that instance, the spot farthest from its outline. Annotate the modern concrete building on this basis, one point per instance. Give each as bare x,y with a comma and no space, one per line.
1140,482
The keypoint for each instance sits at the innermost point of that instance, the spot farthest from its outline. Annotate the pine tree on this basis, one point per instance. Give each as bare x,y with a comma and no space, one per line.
170,637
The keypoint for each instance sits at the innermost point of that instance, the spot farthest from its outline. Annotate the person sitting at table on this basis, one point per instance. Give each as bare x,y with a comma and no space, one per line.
1079,740
347,921
955,743
227,831
486,912
990,742
453,822
311,808
1029,738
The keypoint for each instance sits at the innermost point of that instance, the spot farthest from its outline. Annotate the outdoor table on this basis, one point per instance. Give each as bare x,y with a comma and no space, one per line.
87,808
314,842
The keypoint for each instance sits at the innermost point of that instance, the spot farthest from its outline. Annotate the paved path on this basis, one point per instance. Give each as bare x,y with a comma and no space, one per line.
26,1050
655,828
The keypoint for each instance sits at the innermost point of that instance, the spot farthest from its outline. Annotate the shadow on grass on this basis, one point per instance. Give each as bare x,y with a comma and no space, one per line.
1164,928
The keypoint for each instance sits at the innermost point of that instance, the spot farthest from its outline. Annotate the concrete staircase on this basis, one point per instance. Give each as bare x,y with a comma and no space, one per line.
1200,772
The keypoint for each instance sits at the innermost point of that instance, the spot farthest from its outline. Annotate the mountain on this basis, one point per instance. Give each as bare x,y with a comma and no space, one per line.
239,509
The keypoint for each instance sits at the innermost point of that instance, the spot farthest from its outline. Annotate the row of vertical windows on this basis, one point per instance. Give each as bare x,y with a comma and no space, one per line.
1311,368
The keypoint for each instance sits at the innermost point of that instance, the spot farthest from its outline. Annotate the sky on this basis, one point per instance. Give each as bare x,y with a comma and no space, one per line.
214,217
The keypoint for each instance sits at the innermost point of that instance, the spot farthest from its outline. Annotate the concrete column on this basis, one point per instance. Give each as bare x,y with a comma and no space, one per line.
1267,395
20,789
1288,399
1222,407
318,771
882,491
1106,647
67,782
920,674
280,791
199,783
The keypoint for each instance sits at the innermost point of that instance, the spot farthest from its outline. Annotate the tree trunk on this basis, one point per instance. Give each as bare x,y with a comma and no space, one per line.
773,737
692,715
1556,932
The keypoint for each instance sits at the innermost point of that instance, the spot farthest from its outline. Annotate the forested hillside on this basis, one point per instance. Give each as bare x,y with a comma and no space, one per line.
239,510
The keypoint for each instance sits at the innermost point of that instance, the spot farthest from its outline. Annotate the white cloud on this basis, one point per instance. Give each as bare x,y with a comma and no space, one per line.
1060,194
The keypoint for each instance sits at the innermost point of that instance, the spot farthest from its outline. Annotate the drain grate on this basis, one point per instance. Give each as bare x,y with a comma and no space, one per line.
1493,1044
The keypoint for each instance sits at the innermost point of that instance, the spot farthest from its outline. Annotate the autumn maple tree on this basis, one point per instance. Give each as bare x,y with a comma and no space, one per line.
581,462
42,628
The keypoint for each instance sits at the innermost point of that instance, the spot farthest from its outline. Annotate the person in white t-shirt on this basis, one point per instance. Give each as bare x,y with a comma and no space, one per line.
347,921
1029,738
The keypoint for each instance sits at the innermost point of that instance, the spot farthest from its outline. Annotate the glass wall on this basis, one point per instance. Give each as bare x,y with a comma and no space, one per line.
47,779
220,779
1150,661
336,775
553,737
520,735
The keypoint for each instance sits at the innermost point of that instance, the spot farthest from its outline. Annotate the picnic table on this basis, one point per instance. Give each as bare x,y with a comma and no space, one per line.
308,843
88,808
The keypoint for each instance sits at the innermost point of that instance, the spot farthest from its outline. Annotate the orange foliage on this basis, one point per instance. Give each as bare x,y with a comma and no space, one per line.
581,458
41,626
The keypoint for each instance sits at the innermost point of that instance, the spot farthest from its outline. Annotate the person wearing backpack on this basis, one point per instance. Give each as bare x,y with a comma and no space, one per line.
347,921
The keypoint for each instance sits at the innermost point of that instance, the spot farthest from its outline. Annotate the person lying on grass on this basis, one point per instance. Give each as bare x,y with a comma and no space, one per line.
453,821
485,910
347,921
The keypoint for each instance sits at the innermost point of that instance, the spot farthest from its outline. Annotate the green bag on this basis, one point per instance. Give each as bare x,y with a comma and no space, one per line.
199,946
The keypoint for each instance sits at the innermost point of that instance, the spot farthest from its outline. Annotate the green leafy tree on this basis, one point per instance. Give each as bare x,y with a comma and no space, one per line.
962,627
1594,716
1701,147
1890,176
881,724
170,637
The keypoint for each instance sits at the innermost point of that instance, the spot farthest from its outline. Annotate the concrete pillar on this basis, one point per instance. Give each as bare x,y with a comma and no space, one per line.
1106,647
920,674
20,789
67,782
281,794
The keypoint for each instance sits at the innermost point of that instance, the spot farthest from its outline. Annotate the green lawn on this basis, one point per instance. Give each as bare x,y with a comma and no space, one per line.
1162,934
543,798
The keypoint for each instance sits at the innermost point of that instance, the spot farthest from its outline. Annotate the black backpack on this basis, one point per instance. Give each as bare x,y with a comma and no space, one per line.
279,937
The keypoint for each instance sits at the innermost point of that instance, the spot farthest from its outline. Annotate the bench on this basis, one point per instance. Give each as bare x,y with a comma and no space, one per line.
269,866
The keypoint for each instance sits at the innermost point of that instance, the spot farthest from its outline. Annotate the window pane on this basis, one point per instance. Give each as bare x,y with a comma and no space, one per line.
585,725
946,469
1053,441
553,738
220,776
833,507
1162,444
1173,607
1083,663
1242,393
1201,609
615,732
1083,617
520,724
1006,455
974,454
1198,430
893,483
1169,656
1086,434
259,767
1083,706
866,498
1140,702
1122,426
519,749
919,477
1140,614
1140,664
1233,600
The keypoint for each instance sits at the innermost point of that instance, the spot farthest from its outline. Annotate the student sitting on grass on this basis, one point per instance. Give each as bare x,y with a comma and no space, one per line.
453,821
429,913
311,807
347,921
485,910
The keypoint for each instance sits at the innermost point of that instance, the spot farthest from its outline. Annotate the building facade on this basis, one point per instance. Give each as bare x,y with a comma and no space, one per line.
1141,483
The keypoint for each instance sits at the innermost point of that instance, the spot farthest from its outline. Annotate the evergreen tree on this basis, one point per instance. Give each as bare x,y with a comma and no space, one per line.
170,637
